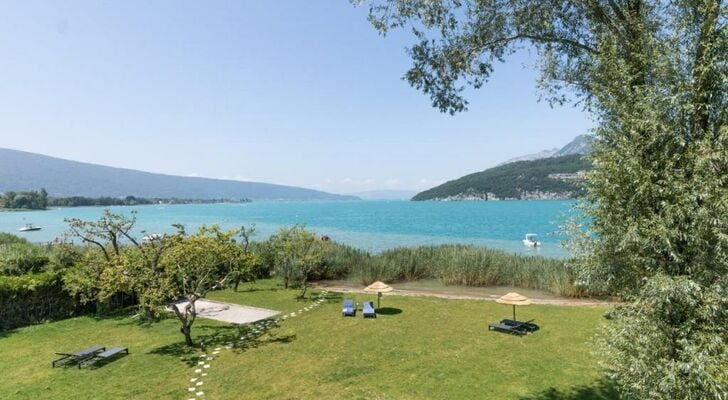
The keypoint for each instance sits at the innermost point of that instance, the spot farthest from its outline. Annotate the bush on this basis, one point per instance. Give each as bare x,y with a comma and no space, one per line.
22,258
32,299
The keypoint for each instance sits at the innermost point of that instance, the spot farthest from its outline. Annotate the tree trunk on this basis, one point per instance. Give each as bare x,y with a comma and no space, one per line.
187,332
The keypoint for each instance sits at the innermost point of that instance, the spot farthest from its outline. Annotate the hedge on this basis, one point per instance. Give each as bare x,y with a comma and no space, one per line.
31,299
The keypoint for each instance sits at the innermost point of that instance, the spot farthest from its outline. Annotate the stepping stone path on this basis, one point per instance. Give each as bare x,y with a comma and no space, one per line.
194,391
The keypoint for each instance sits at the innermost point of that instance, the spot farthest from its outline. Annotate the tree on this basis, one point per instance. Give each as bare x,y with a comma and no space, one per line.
655,77
127,265
197,264
245,268
296,254
106,234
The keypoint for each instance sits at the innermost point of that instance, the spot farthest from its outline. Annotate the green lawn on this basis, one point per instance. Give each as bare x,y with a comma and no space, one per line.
417,348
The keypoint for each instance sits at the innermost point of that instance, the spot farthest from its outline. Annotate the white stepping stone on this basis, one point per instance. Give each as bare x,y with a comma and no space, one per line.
193,379
200,362
199,383
200,393
198,370
206,366
191,389
205,374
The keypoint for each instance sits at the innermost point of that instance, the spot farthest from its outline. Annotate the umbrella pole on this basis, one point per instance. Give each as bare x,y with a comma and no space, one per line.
514,312
379,296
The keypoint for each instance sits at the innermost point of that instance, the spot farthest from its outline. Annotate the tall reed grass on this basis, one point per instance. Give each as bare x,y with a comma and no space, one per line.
453,265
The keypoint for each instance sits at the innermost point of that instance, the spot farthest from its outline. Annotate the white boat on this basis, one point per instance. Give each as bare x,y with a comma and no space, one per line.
531,240
151,238
29,228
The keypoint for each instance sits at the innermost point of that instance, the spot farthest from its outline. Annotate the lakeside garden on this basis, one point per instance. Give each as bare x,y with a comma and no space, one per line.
114,290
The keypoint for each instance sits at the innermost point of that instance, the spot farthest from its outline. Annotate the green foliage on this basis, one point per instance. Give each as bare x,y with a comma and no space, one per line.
22,258
514,179
469,266
32,299
297,254
31,200
680,329
9,238
654,74
193,266
80,201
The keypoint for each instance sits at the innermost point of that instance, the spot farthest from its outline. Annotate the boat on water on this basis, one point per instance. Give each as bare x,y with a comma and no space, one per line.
531,240
29,228
152,237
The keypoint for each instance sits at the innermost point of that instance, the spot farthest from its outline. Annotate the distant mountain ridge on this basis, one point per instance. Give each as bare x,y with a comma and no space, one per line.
581,144
549,174
20,171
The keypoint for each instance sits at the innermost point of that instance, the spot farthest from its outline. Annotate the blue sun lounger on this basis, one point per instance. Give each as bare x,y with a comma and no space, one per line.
349,309
367,309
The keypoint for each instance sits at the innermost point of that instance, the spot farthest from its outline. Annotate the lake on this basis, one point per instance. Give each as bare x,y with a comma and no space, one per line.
369,225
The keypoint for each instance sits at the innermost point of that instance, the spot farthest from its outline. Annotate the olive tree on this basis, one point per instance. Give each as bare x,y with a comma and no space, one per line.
654,76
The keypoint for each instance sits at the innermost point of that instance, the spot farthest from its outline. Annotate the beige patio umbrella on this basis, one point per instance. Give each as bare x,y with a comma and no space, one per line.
378,287
514,299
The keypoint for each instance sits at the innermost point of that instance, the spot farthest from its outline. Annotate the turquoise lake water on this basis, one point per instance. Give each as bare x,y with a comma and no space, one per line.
369,225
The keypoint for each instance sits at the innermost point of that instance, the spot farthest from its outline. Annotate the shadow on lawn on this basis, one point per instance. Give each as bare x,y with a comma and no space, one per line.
256,289
7,333
603,389
389,311
215,336
334,297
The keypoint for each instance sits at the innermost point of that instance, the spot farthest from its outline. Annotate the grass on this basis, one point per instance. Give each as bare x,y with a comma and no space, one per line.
464,265
417,348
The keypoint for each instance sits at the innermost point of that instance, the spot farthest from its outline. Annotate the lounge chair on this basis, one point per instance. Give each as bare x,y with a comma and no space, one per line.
78,356
367,309
349,308
104,356
528,326
501,327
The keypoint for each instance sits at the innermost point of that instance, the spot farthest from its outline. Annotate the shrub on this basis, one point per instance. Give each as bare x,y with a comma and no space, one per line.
33,298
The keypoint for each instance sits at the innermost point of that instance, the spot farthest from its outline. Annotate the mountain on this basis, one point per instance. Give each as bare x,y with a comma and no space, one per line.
535,156
21,171
386,194
581,144
547,178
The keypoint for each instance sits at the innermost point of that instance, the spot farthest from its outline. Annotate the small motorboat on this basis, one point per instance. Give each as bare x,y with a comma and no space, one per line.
531,240
152,237
29,228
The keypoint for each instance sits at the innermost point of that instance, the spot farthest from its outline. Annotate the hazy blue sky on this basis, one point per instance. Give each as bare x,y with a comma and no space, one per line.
293,92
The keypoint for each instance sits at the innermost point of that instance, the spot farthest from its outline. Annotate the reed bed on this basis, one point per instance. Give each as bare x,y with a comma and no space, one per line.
464,265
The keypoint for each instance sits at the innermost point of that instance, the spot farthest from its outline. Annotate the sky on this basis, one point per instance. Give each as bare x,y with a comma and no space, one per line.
302,93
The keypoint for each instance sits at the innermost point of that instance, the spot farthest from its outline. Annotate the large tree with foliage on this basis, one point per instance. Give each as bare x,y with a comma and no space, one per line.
655,76
196,265
296,254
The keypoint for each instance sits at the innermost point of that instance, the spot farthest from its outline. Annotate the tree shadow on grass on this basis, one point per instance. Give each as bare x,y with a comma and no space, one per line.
389,311
602,389
238,337
256,289
333,297
7,332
